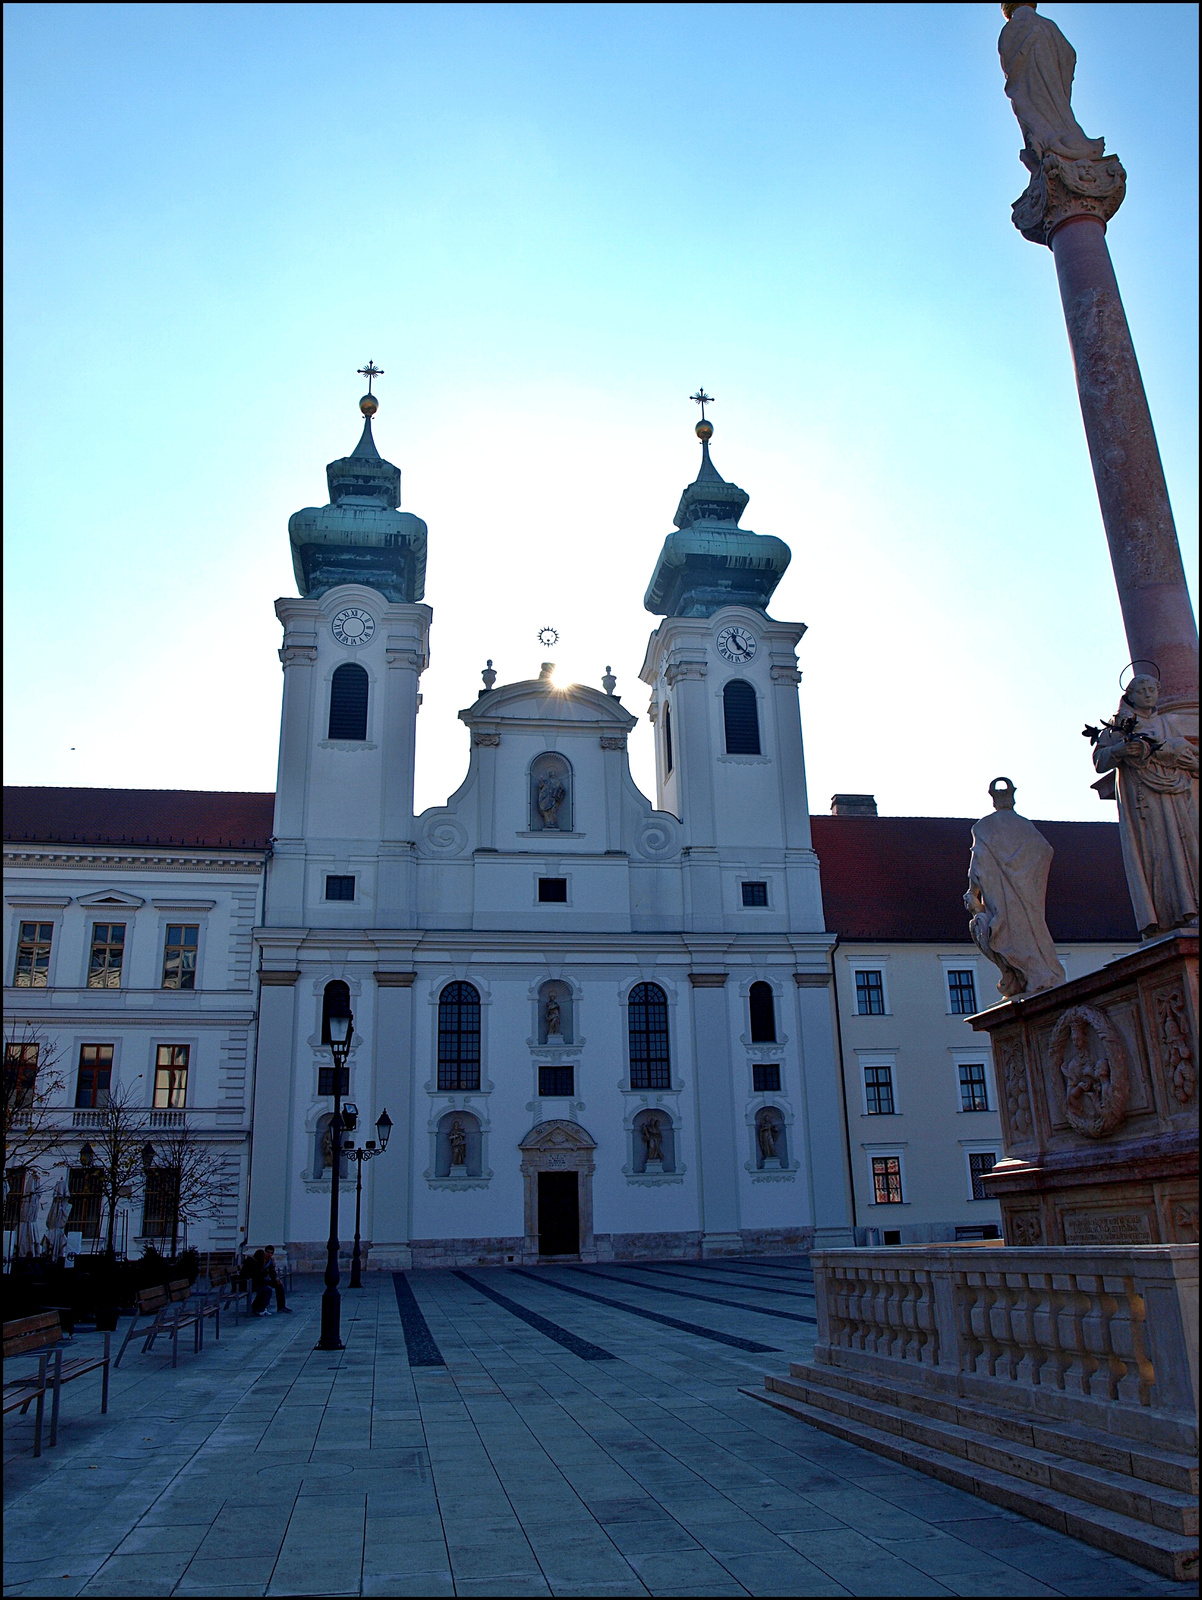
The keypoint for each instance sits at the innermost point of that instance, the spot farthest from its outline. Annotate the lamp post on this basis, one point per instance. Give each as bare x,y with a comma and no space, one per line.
341,1030
359,1156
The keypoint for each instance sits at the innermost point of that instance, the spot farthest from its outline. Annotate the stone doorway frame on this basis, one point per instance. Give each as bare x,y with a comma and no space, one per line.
558,1146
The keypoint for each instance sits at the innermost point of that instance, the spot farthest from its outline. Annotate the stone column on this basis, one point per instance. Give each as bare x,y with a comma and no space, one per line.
271,1136
391,1173
717,1183
826,1139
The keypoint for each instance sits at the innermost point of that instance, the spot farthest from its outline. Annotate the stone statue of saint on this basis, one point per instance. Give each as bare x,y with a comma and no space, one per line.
766,1134
1007,890
653,1139
458,1142
551,795
327,1145
1039,64
1156,782
552,1015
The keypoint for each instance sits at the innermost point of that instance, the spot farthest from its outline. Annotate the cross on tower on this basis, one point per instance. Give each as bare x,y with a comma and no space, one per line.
702,399
369,372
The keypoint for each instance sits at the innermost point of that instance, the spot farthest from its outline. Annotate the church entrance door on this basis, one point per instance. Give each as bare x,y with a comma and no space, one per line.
558,1214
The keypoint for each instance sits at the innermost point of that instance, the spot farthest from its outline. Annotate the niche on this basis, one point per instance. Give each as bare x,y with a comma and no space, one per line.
457,1146
323,1149
555,1014
654,1142
771,1153
550,793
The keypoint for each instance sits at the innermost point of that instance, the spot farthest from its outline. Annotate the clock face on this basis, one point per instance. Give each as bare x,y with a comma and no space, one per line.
353,626
736,644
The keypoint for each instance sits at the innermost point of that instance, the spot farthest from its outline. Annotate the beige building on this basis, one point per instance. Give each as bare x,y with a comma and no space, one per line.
918,1081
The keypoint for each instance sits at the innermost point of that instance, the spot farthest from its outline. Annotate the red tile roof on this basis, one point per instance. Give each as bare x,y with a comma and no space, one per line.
883,878
903,878
138,816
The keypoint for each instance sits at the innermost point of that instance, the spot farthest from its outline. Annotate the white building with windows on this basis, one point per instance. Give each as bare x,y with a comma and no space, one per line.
602,1027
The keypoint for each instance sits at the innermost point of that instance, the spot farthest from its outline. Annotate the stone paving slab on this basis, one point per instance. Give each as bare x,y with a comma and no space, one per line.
541,1442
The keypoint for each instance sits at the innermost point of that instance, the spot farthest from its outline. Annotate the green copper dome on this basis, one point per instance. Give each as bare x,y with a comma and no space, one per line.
360,537
711,562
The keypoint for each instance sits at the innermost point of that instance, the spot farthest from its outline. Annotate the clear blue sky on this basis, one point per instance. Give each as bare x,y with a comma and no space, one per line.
549,224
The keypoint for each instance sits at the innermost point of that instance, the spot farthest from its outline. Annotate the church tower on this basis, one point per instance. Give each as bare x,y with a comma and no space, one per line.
356,641
728,746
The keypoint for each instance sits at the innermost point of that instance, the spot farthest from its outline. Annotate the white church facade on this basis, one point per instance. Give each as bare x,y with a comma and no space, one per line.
602,1027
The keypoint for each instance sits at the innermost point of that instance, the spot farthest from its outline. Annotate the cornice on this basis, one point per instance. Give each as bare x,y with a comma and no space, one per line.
67,858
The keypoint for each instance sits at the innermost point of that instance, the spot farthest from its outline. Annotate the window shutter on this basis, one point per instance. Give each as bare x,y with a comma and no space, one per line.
348,702
742,719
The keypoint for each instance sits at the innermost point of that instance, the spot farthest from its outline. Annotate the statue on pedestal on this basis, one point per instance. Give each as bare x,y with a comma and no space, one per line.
653,1140
1007,890
551,795
552,1014
458,1142
766,1134
1039,64
1156,784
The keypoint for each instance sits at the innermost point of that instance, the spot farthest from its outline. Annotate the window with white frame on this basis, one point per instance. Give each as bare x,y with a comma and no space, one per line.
886,1180
878,1089
961,991
870,992
979,1163
974,1086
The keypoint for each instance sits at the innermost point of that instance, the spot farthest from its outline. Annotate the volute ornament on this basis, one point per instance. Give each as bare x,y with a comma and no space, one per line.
1088,1054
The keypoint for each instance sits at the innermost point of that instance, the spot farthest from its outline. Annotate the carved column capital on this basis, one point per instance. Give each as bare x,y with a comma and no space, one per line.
780,673
291,654
613,741
486,738
405,658
685,668
1060,190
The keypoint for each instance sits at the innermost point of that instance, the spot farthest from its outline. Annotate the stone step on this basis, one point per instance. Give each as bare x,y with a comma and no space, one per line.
1099,1486
1173,1555
1169,1469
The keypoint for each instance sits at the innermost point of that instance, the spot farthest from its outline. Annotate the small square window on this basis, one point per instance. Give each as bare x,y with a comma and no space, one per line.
325,1081
553,891
878,1091
870,994
765,1079
962,992
974,1095
755,894
339,887
979,1163
891,1236
556,1083
886,1181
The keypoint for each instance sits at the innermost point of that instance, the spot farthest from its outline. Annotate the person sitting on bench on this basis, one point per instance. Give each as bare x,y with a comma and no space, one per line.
274,1279
257,1268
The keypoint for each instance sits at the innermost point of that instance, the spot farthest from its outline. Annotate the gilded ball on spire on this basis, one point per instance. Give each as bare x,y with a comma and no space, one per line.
704,431
369,405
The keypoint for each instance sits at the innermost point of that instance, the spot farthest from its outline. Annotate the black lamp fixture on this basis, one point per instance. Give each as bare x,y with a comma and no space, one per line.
147,1156
359,1155
341,1022
87,1156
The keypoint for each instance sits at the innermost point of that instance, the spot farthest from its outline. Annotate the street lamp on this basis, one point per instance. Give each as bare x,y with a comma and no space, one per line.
359,1156
341,1030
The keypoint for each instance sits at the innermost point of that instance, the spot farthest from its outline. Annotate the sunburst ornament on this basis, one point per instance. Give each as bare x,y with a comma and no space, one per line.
548,637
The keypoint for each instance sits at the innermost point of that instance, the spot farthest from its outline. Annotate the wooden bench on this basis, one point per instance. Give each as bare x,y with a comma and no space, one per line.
168,1309
42,1336
223,1293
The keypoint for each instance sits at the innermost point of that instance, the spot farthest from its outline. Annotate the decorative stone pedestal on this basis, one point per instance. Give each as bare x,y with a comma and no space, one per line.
1099,1103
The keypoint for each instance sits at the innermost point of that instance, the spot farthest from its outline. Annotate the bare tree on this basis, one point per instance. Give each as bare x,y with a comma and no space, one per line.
33,1082
189,1181
114,1153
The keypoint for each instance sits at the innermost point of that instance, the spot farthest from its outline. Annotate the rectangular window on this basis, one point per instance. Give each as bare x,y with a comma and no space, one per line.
20,1075
886,1180
33,955
553,891
171,1076
95,1073
159,1212
179,956
85,1186
870,994
979,1163
878,1091
962,992
325,1081
15,1178
755,894
556,1082
765,1079
340,886
667,740
108,949
974,1095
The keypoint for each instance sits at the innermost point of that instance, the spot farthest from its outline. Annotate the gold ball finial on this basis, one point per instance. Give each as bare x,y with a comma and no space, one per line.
704,431
369,405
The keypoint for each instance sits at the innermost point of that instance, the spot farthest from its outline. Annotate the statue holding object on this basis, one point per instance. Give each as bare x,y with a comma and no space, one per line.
1007,891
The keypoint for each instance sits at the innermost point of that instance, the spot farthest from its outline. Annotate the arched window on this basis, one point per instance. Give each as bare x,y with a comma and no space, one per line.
742,718
459,1037
667,740
348,702
649,1066
763,1014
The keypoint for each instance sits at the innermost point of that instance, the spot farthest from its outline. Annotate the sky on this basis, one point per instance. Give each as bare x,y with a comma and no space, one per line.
549,224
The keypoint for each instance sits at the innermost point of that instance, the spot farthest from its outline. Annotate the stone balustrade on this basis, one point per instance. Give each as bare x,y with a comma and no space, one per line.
1053,1328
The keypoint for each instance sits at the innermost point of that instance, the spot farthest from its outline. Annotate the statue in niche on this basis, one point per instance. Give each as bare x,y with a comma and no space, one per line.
766,1134
552,1015
1156,784
1039,64
327,1145
653,1139
457,1139
1007,888
551,795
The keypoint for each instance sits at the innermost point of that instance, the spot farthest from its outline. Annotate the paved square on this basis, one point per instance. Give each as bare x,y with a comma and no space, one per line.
565,1431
